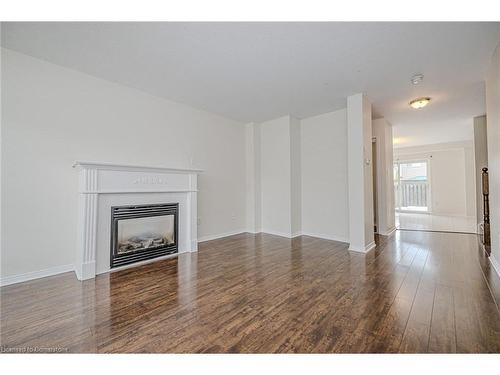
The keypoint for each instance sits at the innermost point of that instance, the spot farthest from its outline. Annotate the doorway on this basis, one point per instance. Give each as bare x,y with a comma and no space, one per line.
412,186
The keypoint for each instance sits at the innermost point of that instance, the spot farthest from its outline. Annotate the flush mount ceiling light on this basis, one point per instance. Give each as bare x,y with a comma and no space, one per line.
420,102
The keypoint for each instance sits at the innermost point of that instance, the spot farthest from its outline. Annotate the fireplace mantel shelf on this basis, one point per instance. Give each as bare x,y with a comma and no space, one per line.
138,191
131,167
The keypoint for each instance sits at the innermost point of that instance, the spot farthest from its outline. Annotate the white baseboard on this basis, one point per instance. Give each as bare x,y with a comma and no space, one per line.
221,235
14,279
298,234
363,250
370,246
326,237
279,234
496,265
85,271
388,232
276,233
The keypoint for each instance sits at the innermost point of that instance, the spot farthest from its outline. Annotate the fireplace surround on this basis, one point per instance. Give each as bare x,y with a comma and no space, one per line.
106,191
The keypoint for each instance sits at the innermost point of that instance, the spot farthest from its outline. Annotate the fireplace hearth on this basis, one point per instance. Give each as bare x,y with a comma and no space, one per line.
142,232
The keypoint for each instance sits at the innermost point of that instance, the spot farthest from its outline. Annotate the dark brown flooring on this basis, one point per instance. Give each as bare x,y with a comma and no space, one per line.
416,292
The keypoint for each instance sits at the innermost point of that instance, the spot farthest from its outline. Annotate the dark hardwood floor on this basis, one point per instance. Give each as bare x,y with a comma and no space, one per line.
417,292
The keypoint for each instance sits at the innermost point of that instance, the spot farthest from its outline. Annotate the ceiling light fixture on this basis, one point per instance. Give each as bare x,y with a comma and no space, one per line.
417,78
420,102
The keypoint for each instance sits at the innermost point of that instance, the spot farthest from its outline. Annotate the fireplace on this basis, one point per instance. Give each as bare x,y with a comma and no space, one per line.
142,232
103,191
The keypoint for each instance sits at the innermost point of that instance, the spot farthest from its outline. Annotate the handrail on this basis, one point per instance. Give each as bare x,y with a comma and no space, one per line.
486,211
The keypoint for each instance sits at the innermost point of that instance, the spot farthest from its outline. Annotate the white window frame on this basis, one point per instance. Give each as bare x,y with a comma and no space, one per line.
402,160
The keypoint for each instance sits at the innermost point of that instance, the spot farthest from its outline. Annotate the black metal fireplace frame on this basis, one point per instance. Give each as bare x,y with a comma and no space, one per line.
137,211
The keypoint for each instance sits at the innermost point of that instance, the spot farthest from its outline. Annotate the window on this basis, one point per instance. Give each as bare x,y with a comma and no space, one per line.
411,184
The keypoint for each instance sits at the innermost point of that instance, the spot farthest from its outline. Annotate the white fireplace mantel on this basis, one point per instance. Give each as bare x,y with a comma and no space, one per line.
101,185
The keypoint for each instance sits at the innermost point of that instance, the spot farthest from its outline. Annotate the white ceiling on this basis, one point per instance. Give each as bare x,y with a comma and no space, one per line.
259,71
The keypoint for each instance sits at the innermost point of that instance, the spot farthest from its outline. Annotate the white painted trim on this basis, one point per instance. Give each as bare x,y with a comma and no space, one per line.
326,237
495,264
370,246
416,159
298,234
364,250
356,249
131,168
437,214
273,233
14,279
279,234
388,232
136,191
85,270
221,235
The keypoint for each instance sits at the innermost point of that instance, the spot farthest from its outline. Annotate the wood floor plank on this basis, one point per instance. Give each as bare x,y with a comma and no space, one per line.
416,292
417,331
416,338
442,334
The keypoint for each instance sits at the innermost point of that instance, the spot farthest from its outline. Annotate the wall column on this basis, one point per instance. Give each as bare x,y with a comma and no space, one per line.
253,179
359,155
382,132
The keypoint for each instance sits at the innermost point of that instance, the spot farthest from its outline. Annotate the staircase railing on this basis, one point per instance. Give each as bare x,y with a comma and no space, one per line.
486,211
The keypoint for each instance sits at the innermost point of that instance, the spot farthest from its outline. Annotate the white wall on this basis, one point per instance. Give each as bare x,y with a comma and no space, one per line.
253,178
276,176
451,176
493,126
52,116
382,132
470,181
481,161
324,176
295,177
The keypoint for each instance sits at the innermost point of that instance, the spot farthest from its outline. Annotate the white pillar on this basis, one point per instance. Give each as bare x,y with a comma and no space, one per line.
359,154
382,132
295,178
85,264
253,178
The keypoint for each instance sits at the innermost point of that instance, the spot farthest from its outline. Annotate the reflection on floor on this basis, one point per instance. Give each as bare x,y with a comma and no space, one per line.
416,292
418,221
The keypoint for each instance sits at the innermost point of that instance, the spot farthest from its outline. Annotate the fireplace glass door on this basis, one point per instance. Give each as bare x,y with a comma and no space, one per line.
143,232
